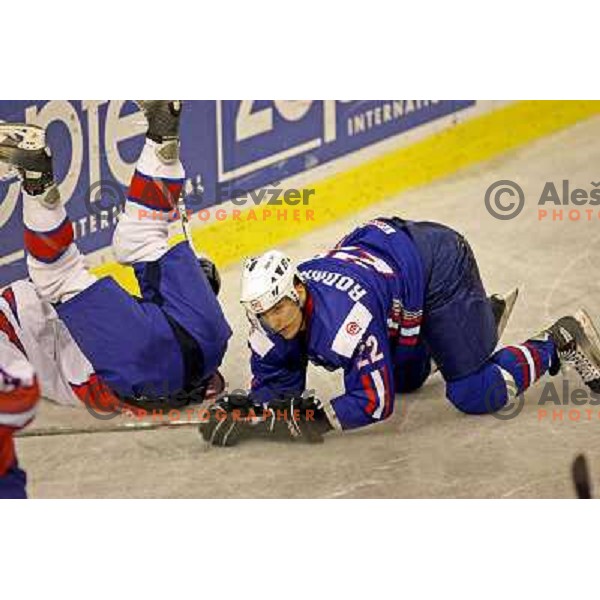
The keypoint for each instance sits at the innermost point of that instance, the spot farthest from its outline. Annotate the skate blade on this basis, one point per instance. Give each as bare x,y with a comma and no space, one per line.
591,332
29,137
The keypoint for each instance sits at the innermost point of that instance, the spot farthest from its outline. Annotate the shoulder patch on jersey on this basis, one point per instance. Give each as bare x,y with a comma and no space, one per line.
352,330
259,342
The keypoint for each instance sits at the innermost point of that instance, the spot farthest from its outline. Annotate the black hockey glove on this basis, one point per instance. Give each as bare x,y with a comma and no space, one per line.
298,417
235,416
227,419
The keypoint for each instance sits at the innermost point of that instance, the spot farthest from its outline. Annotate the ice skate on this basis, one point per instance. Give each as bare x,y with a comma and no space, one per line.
23,150
578,345
502,307
163,126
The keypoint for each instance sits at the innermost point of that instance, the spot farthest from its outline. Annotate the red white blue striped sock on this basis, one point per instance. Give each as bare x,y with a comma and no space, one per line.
526,362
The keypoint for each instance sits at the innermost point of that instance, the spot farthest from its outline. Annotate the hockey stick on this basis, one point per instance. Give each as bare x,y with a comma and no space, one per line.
122,427
185,222
581,478
184,218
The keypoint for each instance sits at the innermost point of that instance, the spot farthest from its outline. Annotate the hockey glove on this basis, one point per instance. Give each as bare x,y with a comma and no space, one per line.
227,418
298,417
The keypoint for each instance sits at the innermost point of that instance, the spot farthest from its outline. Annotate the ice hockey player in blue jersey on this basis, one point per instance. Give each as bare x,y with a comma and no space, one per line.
389,298
162,348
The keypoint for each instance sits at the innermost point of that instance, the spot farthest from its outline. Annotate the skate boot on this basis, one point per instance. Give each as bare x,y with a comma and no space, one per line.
23,149
163,126
577,345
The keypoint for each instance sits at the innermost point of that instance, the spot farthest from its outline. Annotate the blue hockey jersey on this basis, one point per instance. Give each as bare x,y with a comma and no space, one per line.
363,312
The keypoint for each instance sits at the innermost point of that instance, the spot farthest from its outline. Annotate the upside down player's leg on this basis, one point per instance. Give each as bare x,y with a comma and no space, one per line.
54,262
179,318
55,265
172,277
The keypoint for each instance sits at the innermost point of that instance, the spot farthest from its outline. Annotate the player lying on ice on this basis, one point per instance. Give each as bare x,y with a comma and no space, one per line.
19,394
389,298
88,338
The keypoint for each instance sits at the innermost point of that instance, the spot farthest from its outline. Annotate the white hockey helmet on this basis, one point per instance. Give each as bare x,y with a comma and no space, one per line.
267,279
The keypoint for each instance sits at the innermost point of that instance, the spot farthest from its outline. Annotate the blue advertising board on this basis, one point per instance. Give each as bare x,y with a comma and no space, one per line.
229,147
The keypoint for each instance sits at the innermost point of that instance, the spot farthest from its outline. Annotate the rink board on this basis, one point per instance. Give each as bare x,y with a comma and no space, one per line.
446,151
228,147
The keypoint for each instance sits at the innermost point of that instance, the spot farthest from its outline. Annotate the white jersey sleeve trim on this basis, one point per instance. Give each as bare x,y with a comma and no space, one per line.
260,342
380,390
352,330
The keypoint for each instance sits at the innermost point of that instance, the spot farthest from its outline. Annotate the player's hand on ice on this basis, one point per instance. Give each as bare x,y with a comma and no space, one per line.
226,420
300,417
235,416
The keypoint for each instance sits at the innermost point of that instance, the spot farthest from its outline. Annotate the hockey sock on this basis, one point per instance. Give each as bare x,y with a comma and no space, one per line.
526,362
509,372
55,264
143,229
